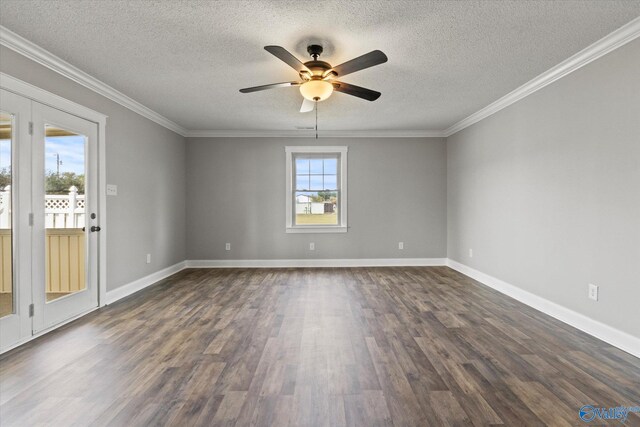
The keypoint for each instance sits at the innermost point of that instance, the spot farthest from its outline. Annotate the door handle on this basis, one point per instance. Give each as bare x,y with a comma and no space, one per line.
95,228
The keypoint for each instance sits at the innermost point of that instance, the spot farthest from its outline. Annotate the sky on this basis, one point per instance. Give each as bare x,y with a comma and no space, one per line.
316,173
70,149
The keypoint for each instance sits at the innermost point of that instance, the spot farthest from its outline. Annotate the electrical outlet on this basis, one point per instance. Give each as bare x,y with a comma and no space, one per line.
593,292
401,245
312,246
227,246
148,258
470,253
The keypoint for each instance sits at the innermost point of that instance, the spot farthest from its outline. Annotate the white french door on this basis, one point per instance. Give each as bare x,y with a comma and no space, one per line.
65,230
15,206
48,217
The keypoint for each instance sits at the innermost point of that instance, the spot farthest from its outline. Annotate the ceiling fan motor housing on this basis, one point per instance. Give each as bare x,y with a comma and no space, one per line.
317,68
315,50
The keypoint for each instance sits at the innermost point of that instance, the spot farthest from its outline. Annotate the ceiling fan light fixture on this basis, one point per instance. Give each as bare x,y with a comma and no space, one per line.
316,90
317,77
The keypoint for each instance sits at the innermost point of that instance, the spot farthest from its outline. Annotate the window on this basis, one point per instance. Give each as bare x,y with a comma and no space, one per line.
316,189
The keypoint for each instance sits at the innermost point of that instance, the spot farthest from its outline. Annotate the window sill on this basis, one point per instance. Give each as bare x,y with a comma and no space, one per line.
312,229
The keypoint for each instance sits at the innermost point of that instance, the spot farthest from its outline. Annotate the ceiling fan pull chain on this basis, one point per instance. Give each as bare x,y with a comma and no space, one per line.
316,119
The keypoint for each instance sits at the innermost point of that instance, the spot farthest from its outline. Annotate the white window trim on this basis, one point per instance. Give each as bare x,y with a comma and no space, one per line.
290,227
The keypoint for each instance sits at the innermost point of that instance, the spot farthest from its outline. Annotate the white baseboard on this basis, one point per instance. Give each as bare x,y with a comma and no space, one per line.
608,334
290,263
137,285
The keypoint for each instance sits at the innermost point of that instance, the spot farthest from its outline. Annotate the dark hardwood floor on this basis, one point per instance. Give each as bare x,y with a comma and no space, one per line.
315,347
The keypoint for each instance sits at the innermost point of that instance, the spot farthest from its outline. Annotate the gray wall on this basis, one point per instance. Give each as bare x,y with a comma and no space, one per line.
236,194
146,161
547,191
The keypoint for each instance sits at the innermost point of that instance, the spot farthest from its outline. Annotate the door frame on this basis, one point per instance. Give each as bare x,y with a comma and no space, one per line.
42,96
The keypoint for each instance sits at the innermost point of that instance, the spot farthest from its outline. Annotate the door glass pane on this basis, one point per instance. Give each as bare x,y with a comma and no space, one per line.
64,212
6,246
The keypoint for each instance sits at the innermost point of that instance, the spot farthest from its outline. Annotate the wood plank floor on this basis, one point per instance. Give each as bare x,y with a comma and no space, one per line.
315,347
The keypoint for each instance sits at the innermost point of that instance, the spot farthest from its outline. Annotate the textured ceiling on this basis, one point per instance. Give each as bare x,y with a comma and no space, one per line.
187,59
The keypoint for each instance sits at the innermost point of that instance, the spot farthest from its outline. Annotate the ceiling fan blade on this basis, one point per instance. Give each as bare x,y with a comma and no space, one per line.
360,92
286,56
271,86
307,105
367,60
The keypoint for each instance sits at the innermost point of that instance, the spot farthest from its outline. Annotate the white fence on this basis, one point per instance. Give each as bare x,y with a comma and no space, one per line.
61,211
314,208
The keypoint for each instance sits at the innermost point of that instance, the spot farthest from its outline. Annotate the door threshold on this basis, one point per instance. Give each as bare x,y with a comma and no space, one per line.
45,331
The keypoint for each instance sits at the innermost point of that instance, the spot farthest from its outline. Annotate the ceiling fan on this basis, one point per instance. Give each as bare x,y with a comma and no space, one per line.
319,77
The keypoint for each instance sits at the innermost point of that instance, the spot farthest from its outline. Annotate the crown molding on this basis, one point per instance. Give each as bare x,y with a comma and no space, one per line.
608,43
311,134
42,56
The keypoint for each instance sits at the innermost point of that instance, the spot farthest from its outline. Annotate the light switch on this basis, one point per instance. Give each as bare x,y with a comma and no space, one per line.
112,190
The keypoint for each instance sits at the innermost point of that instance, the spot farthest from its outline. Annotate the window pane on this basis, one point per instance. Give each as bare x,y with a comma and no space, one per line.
315,166
316,208
331,166
302,182
302,166
316,182
330,182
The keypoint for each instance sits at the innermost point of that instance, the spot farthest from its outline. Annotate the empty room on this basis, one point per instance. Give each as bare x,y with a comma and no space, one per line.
319,213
